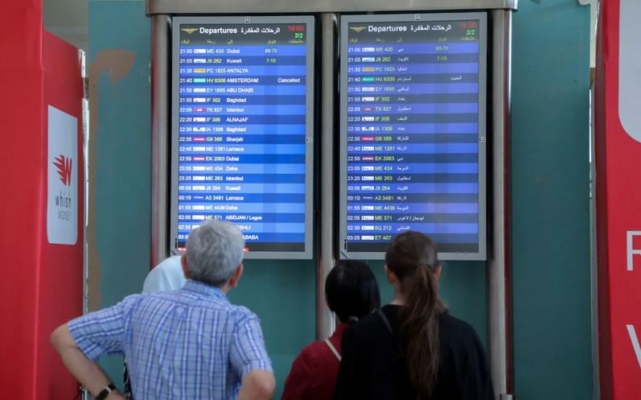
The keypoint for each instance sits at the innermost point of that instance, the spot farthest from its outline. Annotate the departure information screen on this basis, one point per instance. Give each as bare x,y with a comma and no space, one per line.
242,137
412,130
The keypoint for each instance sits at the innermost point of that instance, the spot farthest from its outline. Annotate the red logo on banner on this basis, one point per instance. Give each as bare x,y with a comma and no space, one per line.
64,165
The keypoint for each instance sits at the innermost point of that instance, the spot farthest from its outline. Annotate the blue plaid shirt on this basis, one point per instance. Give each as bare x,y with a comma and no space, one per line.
183,345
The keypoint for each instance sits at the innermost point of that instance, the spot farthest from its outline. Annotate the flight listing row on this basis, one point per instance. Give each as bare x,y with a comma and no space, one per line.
300,158
287,119
222,169
418,202
265,149
293,188
198,135
206,113
190,126
401,66
282,178
198,53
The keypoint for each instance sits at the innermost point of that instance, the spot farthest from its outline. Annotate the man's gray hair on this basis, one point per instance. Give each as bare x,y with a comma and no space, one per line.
214,250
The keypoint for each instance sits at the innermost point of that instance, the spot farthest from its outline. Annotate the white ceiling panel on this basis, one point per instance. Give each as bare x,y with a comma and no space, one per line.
68,20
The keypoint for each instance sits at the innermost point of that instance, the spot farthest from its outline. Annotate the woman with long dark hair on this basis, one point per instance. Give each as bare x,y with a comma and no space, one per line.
351,292
413,349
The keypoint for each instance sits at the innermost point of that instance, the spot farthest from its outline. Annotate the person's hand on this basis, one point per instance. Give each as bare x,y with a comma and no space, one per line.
116,395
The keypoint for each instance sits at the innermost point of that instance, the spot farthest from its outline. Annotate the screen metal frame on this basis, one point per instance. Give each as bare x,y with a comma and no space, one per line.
309,21
482,17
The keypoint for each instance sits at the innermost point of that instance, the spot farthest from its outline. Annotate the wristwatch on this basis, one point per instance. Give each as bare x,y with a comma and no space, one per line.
106,392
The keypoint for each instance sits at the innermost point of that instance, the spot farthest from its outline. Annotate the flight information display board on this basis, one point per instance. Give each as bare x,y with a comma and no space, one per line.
413,132
242,130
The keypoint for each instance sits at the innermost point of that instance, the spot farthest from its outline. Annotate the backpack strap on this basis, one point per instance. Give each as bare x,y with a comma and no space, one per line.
333,349
381,314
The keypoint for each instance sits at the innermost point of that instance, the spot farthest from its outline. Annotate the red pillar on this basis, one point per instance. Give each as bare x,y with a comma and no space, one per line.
618,180
61,268
41,280
21,98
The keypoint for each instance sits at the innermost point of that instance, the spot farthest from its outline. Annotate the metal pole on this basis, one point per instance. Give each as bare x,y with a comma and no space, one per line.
84,393
159,136
499,268
85,153
324,318
596,384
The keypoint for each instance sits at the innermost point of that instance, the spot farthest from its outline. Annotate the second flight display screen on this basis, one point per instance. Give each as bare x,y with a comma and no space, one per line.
412,134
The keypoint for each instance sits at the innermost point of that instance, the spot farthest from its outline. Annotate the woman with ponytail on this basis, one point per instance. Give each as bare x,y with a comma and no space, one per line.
413,349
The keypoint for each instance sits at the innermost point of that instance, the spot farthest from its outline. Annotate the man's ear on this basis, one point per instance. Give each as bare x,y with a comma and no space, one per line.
183,263
233,281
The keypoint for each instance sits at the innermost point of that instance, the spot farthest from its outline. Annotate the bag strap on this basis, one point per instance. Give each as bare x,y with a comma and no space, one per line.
333,349
382,316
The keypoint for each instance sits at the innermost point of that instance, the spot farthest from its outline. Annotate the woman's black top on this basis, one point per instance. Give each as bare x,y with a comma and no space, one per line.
373,367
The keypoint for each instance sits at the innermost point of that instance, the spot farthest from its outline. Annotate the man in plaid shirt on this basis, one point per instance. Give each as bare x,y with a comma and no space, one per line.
165,277
187,344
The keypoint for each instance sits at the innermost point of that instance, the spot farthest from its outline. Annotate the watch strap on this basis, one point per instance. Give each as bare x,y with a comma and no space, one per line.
104,393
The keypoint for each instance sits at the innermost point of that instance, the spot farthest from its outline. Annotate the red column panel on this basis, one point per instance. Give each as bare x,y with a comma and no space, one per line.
21,140
618,158
41,261
61,270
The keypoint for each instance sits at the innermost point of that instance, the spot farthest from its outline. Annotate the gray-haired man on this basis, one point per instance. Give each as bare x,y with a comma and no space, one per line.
188,344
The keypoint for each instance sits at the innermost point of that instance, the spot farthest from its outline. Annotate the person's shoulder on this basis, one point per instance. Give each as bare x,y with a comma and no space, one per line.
168,265
132,299
242,313
130,303
369,321
453,322
241,310
453,328
449,320
166,276
143,299
370,324
312,350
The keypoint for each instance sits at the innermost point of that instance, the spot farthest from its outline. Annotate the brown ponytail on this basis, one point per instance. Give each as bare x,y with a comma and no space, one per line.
412,257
